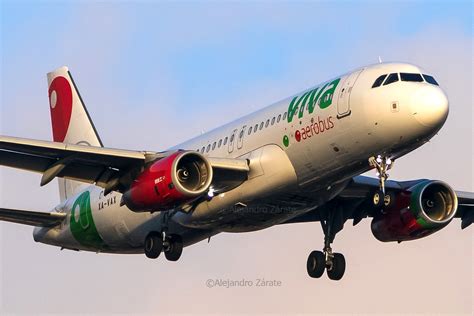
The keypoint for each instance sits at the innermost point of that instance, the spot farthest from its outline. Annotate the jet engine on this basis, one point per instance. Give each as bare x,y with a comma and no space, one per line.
417,212
169,182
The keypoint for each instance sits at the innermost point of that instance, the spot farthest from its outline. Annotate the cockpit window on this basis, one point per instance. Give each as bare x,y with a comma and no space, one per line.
430,79
411,77
393,77
378,81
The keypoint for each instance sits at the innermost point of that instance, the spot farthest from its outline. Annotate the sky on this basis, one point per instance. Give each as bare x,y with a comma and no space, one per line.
154,74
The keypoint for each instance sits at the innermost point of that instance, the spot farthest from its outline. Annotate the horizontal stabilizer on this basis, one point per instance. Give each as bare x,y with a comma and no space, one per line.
31,218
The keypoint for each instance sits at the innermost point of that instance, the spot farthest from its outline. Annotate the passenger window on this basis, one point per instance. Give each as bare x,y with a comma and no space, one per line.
430,79
241,133
273,120
261,126
284,116
411,77
214,146
225,140
232,138
202,149
250,130
268,122
378,81
255,128
208,148
220,143
391,79
279,118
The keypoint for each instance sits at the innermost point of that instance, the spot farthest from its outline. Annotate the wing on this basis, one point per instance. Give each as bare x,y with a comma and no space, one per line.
112,169
356,199
465,208
31,218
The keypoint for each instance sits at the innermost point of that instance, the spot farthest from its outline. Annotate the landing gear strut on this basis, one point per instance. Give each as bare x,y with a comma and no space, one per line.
156,242
332,222
381,198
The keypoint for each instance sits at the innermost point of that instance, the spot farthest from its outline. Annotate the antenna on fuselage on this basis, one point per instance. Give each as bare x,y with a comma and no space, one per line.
380,60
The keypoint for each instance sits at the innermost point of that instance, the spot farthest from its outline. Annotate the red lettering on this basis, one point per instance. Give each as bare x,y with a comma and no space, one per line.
330,122
321,125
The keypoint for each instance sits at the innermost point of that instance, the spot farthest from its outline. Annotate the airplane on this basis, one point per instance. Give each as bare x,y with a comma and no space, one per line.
298,160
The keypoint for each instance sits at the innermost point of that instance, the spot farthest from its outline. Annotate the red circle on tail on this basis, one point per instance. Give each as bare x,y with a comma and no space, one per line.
61,109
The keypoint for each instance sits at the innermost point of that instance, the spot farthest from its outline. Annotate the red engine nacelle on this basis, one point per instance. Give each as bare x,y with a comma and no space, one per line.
169,182
418,212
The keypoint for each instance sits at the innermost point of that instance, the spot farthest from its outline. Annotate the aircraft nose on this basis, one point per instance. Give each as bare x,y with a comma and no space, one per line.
430,106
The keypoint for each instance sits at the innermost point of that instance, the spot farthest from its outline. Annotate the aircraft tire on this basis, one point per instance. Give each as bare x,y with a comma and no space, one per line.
389,199
378,199
316,264
338,267
153,245
173,253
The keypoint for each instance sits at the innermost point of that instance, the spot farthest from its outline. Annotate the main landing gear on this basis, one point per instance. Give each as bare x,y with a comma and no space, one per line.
157,242
381,197
332,222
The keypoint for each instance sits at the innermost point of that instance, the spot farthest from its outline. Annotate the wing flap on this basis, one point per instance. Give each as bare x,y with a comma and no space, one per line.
31,218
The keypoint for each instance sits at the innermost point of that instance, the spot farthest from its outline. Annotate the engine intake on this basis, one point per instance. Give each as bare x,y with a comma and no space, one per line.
169,182
418,212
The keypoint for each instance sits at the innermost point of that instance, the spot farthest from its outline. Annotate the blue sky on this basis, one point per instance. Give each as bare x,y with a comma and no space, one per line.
154,74
194,54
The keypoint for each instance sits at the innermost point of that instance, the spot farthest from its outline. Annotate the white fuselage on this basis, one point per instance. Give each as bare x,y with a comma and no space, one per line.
297,161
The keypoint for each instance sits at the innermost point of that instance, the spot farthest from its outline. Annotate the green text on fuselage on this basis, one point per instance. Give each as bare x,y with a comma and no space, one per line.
322,96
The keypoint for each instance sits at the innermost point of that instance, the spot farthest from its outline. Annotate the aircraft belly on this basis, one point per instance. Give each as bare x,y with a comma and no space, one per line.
275,175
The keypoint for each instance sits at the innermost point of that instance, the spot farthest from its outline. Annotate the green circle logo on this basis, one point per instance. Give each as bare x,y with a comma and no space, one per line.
286,141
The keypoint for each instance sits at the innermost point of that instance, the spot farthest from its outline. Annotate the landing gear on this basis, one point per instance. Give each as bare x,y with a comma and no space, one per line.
332,221
381,198
156,242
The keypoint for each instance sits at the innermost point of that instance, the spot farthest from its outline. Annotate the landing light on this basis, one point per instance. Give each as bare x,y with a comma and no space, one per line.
210,193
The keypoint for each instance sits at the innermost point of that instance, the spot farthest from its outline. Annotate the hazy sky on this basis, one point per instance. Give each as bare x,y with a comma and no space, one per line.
156,73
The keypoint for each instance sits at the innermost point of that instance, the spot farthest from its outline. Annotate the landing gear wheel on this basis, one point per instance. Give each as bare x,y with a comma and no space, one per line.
175,248
153,245
338,267
388,199
316,264
378,199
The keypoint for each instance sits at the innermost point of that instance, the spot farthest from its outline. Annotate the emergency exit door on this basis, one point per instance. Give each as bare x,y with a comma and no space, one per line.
344,100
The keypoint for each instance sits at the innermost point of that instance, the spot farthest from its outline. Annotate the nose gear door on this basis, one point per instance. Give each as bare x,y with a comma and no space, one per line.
343,103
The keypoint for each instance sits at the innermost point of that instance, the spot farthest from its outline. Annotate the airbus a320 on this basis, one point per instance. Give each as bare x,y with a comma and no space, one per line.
298,160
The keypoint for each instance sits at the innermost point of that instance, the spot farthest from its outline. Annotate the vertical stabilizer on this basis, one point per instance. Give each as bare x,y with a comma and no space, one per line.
70,120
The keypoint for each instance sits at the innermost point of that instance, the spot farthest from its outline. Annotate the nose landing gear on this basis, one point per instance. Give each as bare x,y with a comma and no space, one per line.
332,222
381,198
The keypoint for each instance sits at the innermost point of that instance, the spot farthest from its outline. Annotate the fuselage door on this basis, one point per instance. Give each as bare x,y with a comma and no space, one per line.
343,102
240,140
232,140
